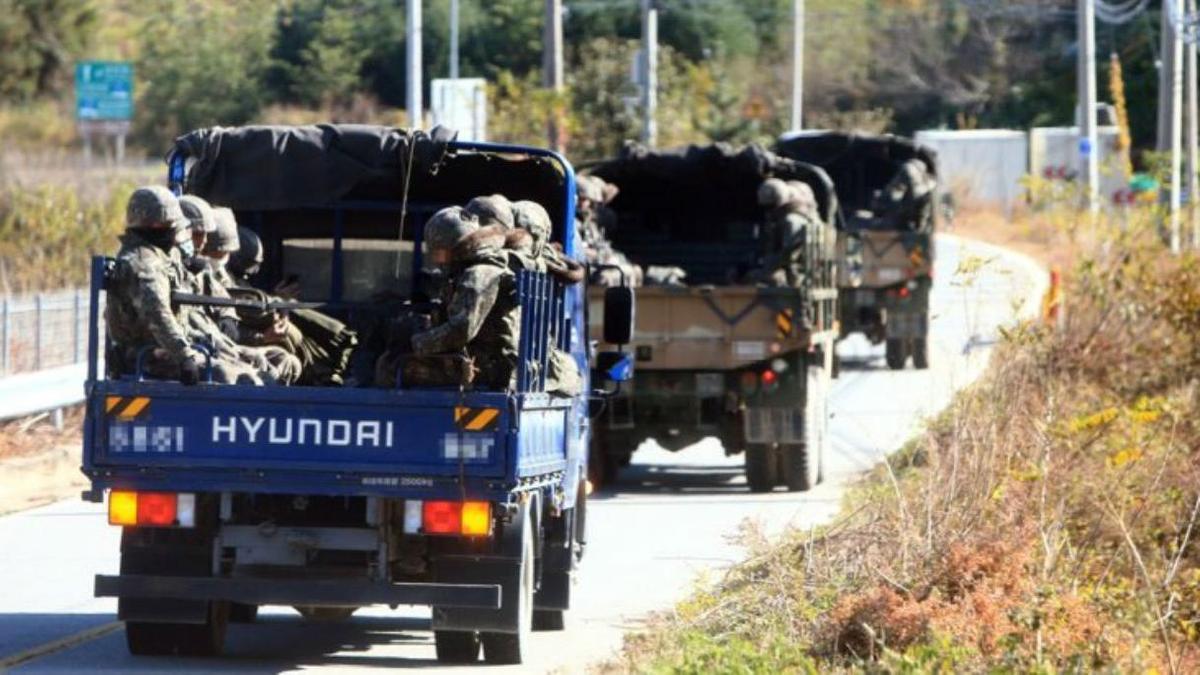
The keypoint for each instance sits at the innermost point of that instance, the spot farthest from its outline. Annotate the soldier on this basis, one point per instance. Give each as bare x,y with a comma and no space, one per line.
596,221
482,318
203,222
140,313
791,214
907,199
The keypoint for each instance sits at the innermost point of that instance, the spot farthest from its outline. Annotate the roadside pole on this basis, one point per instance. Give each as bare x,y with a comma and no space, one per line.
454,39
552,68
649,63
797,65
1176,125
1089,167
1193,132
413,98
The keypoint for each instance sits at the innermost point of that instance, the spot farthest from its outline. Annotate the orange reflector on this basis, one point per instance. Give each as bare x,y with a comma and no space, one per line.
476,519
156,508
441,517
122,508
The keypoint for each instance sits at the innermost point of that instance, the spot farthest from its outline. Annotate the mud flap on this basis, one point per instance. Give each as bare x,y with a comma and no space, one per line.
503,569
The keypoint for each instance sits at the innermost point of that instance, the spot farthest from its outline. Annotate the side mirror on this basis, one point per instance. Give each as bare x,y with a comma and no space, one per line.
615,366
618,315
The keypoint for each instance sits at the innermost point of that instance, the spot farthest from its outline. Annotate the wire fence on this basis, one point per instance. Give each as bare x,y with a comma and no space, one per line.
43,330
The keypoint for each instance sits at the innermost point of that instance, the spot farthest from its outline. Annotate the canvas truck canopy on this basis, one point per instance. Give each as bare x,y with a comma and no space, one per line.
337,205
859,164
697,207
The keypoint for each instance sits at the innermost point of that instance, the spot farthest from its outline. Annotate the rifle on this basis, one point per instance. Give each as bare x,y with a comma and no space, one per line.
263,305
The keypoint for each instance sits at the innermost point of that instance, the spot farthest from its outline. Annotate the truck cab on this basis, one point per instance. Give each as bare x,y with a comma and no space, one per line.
886,246
327,499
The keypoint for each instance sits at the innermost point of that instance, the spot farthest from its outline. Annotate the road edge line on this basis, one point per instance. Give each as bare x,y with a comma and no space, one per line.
58,645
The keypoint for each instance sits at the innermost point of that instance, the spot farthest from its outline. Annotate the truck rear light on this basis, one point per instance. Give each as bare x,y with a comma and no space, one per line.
471,519
770,380
749,382
151,509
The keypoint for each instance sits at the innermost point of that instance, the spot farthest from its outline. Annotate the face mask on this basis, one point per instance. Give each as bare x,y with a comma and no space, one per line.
187,248
163,239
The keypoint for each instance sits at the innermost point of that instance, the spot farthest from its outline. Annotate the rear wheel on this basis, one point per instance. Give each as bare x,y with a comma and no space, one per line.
456,646
920,353
549,619
802,461
895,354
602,466
513,648
760,468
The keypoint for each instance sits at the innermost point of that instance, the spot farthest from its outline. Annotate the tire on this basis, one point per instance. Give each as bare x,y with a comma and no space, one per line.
456,646
602,466
760,468
895,354
180,639
242,613
549,619
802,461
920,353
513,648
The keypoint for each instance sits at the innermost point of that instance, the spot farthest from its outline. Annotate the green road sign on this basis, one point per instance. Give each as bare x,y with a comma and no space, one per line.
104,90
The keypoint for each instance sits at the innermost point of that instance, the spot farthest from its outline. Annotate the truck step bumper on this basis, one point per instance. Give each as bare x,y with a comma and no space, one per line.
298,592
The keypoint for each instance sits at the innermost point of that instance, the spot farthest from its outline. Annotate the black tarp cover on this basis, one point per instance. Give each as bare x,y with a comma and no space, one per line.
267,168
718,182
858,163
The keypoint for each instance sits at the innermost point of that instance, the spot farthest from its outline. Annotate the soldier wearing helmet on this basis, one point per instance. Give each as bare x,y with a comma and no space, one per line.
791,220
492,210
481,319
141,318
200,214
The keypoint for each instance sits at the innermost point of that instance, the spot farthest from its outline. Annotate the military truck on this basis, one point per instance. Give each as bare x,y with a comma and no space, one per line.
327,499
887,187
720,355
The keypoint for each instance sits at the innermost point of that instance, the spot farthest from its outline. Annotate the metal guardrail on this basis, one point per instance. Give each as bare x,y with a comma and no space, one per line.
43,350
43,330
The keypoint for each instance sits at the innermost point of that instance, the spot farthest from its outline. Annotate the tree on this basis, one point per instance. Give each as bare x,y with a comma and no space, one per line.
204,67
39,43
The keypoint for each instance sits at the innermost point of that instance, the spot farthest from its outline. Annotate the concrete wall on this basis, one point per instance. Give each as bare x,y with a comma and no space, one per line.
983,166
1054,154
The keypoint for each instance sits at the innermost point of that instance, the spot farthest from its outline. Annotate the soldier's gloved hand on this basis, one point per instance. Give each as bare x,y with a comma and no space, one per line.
229,326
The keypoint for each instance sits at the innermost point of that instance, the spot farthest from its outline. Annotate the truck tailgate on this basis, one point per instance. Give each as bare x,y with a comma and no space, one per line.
711,328
380,440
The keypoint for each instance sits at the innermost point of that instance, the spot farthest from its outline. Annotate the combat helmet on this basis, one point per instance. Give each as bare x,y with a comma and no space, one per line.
224,238
773,193
199,213
531,216
154,207
245,261
492,210
443,231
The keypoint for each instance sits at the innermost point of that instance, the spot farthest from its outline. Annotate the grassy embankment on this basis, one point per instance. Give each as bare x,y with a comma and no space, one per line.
1045,522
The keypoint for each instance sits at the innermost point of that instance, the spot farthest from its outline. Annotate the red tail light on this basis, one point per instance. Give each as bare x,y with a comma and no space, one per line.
440,517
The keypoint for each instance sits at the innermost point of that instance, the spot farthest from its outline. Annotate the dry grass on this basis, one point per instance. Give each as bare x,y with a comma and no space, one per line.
1047,521
36,434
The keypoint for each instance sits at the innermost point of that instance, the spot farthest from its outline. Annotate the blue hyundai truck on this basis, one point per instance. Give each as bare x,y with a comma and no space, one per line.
328,499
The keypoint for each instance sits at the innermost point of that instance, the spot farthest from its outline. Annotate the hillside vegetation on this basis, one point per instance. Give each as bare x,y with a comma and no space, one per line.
1046,522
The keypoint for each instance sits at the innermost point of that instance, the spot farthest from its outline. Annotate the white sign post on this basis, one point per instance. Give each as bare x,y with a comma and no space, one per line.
461,105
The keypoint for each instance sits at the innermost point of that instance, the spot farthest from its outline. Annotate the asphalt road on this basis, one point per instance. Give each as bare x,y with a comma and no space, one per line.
667,524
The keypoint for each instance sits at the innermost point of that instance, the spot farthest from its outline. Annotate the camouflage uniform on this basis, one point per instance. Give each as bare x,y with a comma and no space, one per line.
791,215
907,199
482,315
139,312
562,374
595,222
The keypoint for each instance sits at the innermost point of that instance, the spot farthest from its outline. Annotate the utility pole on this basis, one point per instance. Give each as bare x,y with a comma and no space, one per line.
650,71
414,90
797,65
454,39
1162,140
1176,125
552,67
1089,167
1193,133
